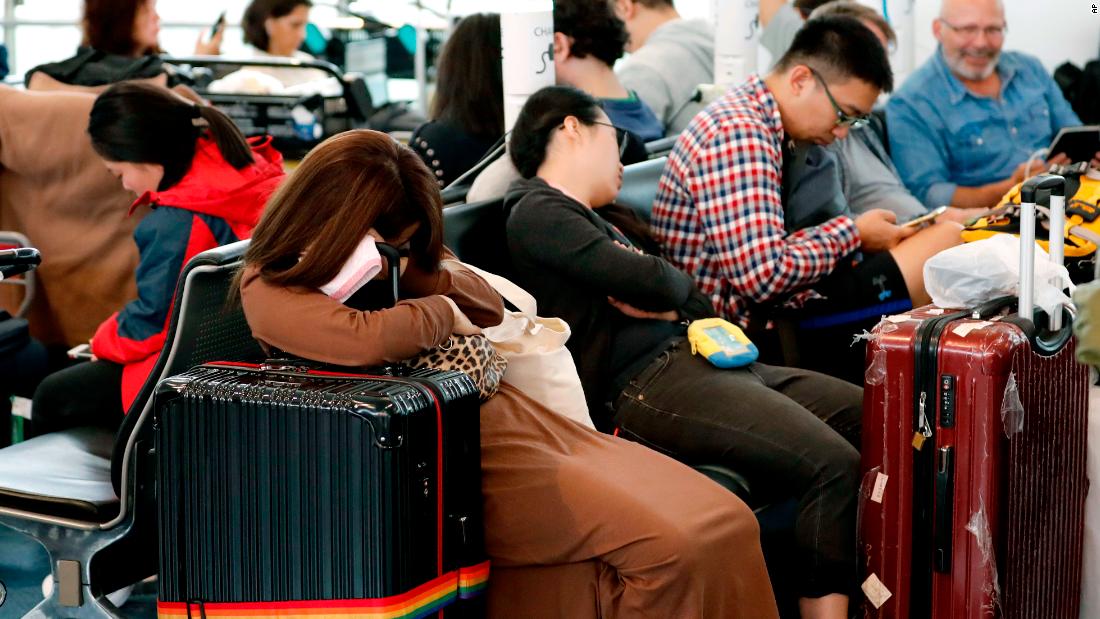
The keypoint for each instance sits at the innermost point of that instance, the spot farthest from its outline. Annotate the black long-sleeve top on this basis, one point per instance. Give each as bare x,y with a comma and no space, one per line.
565,254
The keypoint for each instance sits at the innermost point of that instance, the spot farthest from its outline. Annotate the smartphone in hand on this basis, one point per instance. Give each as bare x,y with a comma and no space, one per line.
81,351
218,25
928,217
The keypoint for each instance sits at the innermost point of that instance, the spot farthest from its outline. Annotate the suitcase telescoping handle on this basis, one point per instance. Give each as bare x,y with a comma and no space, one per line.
19,260
1057,187
393,260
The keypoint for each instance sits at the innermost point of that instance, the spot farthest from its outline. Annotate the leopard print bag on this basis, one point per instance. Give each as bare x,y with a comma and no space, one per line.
472,354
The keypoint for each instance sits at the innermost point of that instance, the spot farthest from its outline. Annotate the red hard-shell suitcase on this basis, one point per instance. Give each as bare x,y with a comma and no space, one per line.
974,466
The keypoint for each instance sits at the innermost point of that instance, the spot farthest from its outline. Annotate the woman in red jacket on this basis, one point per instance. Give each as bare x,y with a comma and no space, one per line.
206,185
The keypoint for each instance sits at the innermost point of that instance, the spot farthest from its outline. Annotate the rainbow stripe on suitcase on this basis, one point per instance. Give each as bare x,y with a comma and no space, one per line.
422,601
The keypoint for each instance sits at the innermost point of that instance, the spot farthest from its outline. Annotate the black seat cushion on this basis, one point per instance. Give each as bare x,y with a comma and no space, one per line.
63,474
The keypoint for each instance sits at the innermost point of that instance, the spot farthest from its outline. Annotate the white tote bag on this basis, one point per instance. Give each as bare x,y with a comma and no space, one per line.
539,365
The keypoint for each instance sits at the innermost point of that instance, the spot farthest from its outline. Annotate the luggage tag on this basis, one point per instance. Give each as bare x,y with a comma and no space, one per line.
721,343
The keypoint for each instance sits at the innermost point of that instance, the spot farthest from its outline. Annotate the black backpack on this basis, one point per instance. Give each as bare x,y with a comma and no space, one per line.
1081,87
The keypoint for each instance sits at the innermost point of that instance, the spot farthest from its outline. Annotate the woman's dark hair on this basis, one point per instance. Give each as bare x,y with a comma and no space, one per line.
255,34
109,26
594,28
141,123
470,90
350,183
541,115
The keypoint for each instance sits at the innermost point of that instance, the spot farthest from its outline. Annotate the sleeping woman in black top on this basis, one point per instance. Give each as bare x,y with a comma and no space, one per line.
595,265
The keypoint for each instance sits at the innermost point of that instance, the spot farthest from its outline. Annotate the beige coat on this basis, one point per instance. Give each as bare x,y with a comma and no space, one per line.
55,190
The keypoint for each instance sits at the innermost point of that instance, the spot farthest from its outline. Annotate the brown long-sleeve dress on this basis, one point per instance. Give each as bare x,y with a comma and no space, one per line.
577,523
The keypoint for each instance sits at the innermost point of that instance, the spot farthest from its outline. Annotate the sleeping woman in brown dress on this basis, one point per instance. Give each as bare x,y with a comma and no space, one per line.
655,538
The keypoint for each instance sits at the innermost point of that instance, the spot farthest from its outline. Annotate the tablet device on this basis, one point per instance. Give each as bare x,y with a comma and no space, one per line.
1079,143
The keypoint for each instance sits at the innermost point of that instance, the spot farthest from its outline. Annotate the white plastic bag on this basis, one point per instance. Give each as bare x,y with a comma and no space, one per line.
973,273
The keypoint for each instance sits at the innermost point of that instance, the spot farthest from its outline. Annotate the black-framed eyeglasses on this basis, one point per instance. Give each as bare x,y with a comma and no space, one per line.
971,31
620,136
843,119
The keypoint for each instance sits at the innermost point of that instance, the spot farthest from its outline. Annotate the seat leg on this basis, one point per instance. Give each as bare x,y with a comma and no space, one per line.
75,595
90,607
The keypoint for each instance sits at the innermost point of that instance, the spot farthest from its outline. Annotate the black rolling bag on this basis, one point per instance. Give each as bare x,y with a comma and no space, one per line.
289,491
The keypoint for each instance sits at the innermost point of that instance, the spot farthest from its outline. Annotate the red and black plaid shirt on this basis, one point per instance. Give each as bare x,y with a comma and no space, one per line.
719,210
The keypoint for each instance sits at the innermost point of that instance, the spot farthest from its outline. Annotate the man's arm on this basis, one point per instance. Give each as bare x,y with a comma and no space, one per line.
985,196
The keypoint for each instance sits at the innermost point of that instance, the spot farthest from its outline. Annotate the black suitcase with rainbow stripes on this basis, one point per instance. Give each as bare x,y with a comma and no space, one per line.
288,491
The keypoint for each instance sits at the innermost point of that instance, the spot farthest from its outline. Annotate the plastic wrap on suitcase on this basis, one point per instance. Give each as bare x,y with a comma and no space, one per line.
291,492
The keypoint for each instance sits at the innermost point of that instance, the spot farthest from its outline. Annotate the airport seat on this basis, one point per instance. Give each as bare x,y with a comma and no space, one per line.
661,147
87,495
639,190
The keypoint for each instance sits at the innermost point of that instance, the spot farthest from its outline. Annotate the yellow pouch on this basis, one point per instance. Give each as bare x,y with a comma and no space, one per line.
722,343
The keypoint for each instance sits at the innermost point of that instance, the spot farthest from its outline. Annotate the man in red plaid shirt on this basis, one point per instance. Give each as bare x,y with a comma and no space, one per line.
720,214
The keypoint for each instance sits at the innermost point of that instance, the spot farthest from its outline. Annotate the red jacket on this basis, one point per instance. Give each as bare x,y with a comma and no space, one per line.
212,205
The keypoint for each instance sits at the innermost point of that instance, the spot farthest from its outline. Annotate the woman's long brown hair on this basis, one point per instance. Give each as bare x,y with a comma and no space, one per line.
109,26
347,185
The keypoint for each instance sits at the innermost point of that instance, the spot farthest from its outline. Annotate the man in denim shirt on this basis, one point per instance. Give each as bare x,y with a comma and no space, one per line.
965,123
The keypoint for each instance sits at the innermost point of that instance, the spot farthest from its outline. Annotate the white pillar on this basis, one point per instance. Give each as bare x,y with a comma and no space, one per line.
903,19
736,35
420,64
527,49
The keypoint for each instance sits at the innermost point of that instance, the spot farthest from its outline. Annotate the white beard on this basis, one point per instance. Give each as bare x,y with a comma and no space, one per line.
958,66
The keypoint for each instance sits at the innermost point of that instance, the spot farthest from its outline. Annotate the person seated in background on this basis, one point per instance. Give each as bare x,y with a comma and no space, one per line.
207,186
965,124
275,29
669,58
120,43
793,431
467,114
667,541
588,39
866,174
780,20
720,216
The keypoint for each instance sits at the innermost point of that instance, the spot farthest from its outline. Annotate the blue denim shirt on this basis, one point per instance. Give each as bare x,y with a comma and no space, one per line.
942,136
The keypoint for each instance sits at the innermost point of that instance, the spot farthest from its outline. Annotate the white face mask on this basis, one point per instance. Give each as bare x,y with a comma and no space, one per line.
364,265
